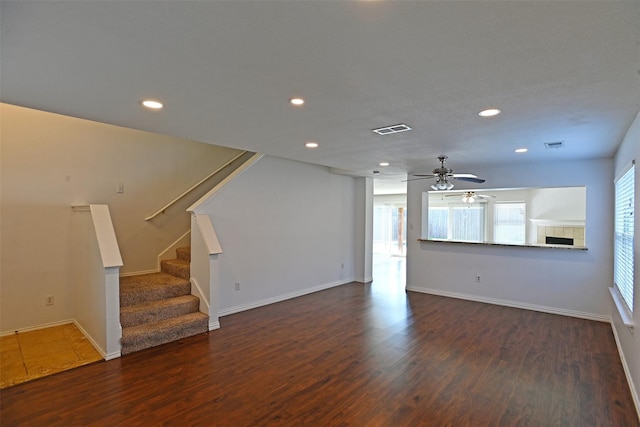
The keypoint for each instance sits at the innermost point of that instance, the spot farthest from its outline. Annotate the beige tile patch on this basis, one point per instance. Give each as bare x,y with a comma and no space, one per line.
47,363
34,354
9,343
31,350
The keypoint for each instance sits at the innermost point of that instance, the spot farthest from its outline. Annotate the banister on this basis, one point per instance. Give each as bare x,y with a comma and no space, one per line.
193,187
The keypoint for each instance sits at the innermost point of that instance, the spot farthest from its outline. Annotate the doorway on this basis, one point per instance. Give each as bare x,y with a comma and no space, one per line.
389,242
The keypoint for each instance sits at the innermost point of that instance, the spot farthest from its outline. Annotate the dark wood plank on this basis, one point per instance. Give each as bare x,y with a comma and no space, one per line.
351,356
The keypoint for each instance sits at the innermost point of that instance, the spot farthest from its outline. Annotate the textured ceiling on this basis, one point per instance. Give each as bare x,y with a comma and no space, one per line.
560,71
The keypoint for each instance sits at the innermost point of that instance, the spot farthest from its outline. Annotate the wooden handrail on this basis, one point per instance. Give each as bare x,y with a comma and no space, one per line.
193,187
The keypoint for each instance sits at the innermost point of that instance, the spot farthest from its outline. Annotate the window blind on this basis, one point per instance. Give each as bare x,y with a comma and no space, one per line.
509,225
623,244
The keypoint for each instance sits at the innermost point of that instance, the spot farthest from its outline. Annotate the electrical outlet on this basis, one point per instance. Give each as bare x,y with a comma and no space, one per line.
49,300
237,286
477,278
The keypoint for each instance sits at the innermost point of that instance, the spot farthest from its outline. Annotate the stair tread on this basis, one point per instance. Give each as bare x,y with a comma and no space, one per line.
151,287
149,280
177,261
158,303
141,337
176,267
154,311
163,326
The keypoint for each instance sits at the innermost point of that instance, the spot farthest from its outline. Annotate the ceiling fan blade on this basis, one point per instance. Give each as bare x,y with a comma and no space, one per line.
425,175
463,175
469,179
416,179
485,196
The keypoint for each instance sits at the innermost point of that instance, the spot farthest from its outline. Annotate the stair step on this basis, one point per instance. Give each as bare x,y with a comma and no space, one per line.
151,287
176,267
148,335
184,253
155,311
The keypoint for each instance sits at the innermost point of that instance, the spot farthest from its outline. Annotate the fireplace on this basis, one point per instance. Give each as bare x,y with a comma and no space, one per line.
550,240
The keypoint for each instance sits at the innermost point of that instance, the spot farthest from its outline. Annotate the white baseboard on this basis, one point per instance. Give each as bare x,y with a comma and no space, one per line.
363,279
272,300
514,304
135,273
35,328
95,345
627,372
213,325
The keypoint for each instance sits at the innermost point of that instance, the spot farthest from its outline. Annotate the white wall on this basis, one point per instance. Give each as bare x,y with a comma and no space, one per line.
50,162
285,229
557,280
364,230
629,340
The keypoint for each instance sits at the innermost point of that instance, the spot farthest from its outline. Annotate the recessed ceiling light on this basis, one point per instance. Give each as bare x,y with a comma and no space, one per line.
311,145
384,163
296,101
154,105
489,112
521,150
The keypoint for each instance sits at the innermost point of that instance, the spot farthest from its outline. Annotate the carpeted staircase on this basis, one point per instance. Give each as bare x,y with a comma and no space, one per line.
158,308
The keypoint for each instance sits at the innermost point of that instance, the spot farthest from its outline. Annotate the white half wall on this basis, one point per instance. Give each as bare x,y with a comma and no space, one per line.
556,280
286,228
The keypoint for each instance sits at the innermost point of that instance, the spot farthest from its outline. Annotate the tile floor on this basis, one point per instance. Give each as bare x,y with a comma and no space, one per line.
29,355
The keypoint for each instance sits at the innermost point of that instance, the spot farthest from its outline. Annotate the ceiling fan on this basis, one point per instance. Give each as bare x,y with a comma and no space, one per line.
443,174
471,196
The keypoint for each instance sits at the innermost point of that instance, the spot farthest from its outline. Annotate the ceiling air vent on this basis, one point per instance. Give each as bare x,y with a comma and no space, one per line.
557,144
387,130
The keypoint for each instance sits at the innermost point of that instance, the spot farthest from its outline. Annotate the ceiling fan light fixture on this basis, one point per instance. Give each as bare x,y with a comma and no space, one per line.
442,185
489,112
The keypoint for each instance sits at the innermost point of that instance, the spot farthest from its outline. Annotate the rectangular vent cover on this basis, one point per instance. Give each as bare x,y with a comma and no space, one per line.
387,130
557,144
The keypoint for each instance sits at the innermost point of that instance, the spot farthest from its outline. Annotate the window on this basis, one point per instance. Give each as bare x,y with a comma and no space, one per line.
623,234
509,224
457,221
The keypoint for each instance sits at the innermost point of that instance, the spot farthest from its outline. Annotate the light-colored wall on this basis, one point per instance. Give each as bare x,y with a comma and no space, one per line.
286,228
557,280
629,340
50,162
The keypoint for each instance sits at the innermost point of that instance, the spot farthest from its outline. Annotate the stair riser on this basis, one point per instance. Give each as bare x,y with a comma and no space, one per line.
184,253
158,337
155,314
177,270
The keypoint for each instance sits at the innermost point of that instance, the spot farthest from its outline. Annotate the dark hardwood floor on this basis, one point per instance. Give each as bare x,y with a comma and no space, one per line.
354,355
